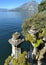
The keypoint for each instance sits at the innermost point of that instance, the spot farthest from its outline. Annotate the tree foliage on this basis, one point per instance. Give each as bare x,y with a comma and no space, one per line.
38,42
42,6
19,61
38,21
8,60
30,38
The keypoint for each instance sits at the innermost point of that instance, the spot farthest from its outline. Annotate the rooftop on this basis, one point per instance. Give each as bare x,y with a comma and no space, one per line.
33,30
15,42
16,35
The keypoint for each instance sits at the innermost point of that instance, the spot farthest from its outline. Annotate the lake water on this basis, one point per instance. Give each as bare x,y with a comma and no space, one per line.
10,22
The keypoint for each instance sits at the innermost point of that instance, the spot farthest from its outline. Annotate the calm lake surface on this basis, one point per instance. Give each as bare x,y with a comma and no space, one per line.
10,22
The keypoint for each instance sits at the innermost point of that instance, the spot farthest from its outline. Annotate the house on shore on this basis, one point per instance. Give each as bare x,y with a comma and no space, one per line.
15,41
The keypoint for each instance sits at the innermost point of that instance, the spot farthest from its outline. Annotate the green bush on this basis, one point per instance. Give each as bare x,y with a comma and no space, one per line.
19,61
8,60
38,21
38,42
42,6
30,38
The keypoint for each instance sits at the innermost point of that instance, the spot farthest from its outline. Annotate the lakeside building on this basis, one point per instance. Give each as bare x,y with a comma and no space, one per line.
15,41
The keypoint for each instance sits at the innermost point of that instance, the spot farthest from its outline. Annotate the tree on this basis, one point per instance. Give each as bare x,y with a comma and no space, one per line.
19,61
8,60
38,21
42,6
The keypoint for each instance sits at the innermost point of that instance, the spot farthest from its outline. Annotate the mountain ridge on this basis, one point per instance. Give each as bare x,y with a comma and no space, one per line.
3,9
28,6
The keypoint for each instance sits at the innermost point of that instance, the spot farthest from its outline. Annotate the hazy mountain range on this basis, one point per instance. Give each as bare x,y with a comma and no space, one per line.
29,6
3,10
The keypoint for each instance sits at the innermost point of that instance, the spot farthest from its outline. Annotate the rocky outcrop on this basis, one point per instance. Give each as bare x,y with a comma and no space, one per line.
39,46
41,53
40,56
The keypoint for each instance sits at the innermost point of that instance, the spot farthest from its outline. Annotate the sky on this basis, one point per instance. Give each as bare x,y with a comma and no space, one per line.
9,4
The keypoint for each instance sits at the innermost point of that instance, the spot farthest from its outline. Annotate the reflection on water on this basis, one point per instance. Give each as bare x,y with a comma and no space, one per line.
10,22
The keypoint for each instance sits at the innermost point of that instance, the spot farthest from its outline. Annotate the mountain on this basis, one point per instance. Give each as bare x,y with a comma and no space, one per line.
29,6
3,10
